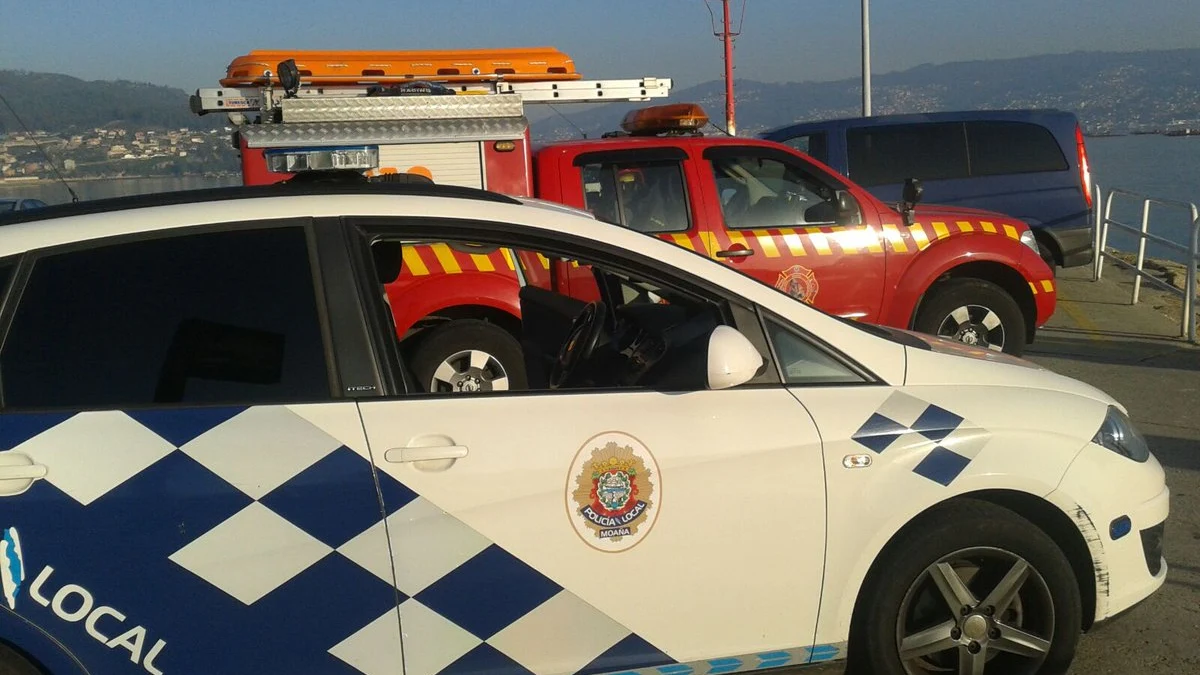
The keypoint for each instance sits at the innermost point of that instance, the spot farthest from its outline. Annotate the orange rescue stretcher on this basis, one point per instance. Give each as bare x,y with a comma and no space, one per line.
334,68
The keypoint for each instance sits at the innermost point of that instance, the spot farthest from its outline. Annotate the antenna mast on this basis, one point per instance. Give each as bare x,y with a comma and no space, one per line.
727,34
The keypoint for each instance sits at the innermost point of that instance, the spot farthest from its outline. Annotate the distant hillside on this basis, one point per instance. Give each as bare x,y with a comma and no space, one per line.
63,104
1109,91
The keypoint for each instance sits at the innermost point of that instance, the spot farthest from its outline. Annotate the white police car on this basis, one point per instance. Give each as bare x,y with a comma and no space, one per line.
214,461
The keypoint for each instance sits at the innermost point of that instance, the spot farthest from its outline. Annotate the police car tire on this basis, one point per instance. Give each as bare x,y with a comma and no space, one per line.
948,295
12,663
461,334
964,523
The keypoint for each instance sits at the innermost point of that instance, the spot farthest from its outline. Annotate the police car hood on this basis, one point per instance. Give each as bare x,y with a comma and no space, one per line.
939,361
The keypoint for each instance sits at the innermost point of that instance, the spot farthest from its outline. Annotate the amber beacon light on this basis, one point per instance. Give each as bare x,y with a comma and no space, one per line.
674,117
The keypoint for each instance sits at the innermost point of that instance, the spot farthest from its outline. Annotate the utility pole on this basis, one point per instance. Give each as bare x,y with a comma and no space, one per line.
866,58
727,34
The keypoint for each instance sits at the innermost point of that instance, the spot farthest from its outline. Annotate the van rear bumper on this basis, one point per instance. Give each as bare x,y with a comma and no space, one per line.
1076,244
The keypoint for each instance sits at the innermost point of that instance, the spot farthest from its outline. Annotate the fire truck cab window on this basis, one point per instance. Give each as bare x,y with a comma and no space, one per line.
643,196
759,192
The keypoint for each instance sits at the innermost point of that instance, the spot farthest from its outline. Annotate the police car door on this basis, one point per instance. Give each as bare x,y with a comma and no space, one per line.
563,533
179,492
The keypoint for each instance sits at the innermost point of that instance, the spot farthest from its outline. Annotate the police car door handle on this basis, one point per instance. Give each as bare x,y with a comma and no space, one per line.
736,253
425,454
27,472
17,473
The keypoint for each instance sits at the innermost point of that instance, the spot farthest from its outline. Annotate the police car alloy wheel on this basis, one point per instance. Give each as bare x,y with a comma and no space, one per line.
469,356
972,589
975,312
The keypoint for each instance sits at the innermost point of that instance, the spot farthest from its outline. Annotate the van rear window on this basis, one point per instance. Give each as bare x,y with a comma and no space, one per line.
1012,147
892,154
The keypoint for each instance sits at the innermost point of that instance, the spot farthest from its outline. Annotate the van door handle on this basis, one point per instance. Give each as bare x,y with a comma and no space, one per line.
425,454
736,253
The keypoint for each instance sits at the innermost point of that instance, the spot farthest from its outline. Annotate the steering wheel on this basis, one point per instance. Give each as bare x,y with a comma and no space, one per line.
581,341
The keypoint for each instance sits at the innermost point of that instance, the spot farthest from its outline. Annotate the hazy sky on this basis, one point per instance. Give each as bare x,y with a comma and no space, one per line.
188,44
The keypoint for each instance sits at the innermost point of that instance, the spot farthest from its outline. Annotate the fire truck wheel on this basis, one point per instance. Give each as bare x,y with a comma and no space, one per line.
469,355
12,663
974,312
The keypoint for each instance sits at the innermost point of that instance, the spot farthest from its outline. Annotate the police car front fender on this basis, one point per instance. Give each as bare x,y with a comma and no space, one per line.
874,494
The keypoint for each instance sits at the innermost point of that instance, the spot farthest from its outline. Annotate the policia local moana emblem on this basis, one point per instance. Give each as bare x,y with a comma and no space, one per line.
799,282
612,492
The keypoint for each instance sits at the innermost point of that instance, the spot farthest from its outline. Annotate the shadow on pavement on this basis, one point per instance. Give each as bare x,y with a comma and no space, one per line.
1179,453
1133,350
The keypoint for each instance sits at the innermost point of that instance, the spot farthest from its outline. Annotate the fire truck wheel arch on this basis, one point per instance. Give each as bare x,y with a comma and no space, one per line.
905,301
412,302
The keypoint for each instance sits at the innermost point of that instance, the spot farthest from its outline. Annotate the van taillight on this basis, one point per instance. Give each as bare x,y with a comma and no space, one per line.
1085,172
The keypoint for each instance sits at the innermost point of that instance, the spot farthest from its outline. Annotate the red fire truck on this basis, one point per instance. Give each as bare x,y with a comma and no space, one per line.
759,206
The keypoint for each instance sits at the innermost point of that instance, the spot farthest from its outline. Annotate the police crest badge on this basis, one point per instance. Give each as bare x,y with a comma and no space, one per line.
612,492
799,282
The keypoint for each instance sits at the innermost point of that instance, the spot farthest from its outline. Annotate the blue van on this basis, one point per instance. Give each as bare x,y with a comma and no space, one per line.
1029,164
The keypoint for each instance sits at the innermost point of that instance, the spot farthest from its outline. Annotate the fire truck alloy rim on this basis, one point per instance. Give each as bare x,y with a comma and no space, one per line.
974,325
468,371
974,606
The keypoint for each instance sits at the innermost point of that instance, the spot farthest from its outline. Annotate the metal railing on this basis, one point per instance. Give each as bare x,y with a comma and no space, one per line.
1104,221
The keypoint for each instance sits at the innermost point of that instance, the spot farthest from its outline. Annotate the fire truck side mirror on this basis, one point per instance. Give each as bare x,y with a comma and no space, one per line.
913,191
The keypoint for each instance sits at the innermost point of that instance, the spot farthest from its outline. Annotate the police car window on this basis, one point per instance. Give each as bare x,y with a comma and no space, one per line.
643,196
650,334
222,317
803,363
892,154
759,192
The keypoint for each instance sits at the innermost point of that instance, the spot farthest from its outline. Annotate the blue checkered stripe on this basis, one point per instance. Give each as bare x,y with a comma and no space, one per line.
946,442
218,529
777,659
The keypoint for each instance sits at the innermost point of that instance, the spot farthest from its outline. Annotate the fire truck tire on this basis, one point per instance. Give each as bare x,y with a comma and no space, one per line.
12,663
975,312
469,355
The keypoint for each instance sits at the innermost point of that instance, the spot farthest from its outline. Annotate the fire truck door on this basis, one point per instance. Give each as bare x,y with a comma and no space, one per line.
780,223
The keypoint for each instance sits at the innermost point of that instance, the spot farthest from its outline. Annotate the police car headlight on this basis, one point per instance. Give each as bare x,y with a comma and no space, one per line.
1118,434
1029,240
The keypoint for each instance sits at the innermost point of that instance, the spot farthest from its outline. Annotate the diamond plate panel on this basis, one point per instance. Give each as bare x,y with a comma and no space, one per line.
348,109
416,131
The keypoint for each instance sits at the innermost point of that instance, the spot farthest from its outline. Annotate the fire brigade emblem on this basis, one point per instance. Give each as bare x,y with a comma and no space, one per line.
799,282
612,492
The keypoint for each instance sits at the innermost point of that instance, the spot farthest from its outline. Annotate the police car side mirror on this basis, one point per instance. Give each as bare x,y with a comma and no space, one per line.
732,359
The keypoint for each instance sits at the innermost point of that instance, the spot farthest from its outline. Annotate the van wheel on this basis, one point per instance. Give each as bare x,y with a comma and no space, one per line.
12,663
975,312
467,356
978,589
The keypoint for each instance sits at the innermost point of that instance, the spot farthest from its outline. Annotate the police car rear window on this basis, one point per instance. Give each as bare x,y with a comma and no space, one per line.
221,317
